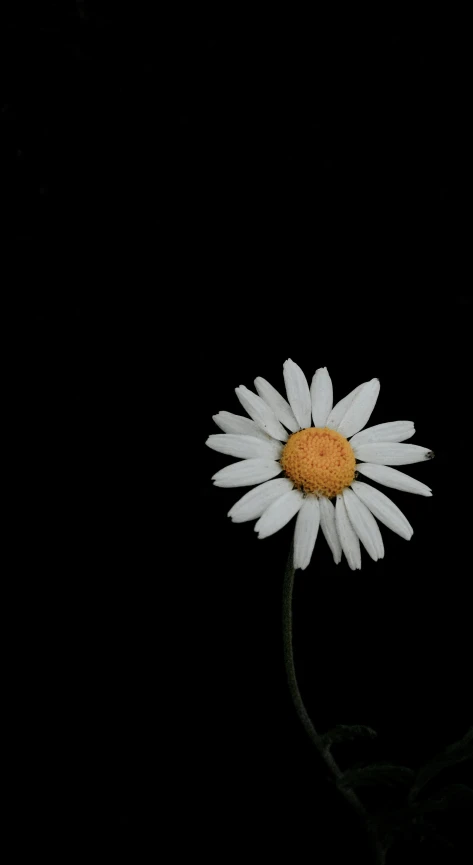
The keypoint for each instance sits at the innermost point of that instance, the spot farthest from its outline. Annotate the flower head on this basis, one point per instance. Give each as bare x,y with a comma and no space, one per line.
319,462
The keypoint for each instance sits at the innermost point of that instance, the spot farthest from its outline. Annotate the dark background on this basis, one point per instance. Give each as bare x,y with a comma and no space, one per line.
214,149
304,198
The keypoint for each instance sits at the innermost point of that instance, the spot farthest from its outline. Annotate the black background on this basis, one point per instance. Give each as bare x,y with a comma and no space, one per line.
304,198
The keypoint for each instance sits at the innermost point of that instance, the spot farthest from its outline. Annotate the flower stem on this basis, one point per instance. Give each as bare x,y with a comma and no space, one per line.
301,710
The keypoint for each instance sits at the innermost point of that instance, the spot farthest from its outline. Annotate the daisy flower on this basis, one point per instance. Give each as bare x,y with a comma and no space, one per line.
320,449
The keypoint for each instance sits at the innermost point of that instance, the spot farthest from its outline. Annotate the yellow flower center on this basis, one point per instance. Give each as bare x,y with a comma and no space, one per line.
319,460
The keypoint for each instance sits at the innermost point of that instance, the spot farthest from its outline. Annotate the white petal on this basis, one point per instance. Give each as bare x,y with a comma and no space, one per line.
383,509
298,392
246,473
277,403
279,513
261,413
392,454
321,394
305,533
359,412
341,406
395,431
245,447
329,528
255,502
364,524
348,537
392,478
236,423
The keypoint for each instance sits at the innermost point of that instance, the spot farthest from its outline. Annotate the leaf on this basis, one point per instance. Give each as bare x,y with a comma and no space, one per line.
401,824
458,752
345,733
377,773
422,830
452,796
462,744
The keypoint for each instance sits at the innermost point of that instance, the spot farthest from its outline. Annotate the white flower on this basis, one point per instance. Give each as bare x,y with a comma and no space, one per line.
319,463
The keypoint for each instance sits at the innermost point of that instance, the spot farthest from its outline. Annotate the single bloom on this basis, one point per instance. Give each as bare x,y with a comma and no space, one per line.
319,449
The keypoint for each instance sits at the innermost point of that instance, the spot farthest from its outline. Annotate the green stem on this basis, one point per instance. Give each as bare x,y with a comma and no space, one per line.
301,710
